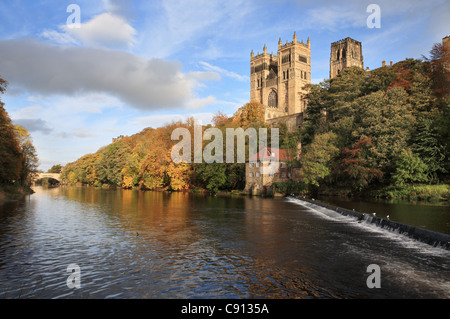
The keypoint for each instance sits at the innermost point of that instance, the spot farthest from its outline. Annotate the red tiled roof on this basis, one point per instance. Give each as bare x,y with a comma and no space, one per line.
267,154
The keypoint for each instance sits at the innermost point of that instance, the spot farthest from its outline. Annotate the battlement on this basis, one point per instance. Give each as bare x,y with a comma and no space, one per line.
346,40
345,53
281,46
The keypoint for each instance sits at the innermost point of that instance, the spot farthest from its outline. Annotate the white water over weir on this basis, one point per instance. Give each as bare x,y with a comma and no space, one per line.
429,237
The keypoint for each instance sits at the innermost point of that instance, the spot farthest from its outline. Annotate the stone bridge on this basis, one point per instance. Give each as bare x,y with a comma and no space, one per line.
46,175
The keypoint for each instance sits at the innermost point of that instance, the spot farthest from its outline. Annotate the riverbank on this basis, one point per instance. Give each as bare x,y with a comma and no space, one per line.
12,192
412,193
431,193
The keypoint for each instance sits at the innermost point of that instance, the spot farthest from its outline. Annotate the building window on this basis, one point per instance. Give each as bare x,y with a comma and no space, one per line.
273,99
258,174
257,164
283,174
250,174
282,165
251,165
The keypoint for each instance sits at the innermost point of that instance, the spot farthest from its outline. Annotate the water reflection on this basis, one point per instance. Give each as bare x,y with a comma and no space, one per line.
132,244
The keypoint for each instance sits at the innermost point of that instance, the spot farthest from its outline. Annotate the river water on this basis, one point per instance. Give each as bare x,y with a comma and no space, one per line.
131,244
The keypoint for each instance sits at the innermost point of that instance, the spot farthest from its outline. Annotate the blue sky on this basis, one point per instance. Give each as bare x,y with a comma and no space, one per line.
135,64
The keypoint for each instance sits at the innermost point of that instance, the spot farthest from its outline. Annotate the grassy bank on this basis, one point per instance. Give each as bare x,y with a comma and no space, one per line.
432,193
13,192
419,192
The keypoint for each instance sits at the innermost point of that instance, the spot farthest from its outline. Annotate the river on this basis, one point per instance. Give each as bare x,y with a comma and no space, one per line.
132,244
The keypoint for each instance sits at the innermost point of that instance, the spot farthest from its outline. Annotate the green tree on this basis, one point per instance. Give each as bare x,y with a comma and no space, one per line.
112,162
429,145
56,169
409,169
380,79
317,158
387,119
212,176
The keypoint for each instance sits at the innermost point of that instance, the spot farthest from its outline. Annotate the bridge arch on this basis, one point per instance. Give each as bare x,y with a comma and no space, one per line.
54,176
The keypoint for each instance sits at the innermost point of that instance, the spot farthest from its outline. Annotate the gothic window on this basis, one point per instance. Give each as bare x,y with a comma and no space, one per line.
286,58
273,99
337,55
344,53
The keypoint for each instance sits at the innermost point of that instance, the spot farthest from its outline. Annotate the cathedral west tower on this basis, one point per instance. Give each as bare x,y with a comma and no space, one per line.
277,81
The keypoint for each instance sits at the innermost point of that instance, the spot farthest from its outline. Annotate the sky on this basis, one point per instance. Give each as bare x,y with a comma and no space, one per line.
82,72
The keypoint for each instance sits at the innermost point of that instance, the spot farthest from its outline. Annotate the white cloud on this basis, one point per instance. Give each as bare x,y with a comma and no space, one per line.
27,112
205,76
201,103
58,37
83,132
41,68
213,68
105,30
178,24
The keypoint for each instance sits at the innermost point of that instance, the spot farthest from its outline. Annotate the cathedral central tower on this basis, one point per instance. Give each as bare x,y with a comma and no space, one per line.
345,53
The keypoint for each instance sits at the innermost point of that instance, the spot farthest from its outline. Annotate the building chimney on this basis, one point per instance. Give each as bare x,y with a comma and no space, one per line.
392,63
383,63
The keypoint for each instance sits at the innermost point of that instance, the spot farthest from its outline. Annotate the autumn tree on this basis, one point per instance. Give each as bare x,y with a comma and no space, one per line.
358,167
11,157
30,161
251,114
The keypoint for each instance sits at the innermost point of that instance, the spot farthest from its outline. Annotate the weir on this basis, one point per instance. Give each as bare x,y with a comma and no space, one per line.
429,237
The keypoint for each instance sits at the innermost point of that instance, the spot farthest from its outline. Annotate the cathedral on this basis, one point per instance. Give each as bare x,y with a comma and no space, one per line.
278,81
